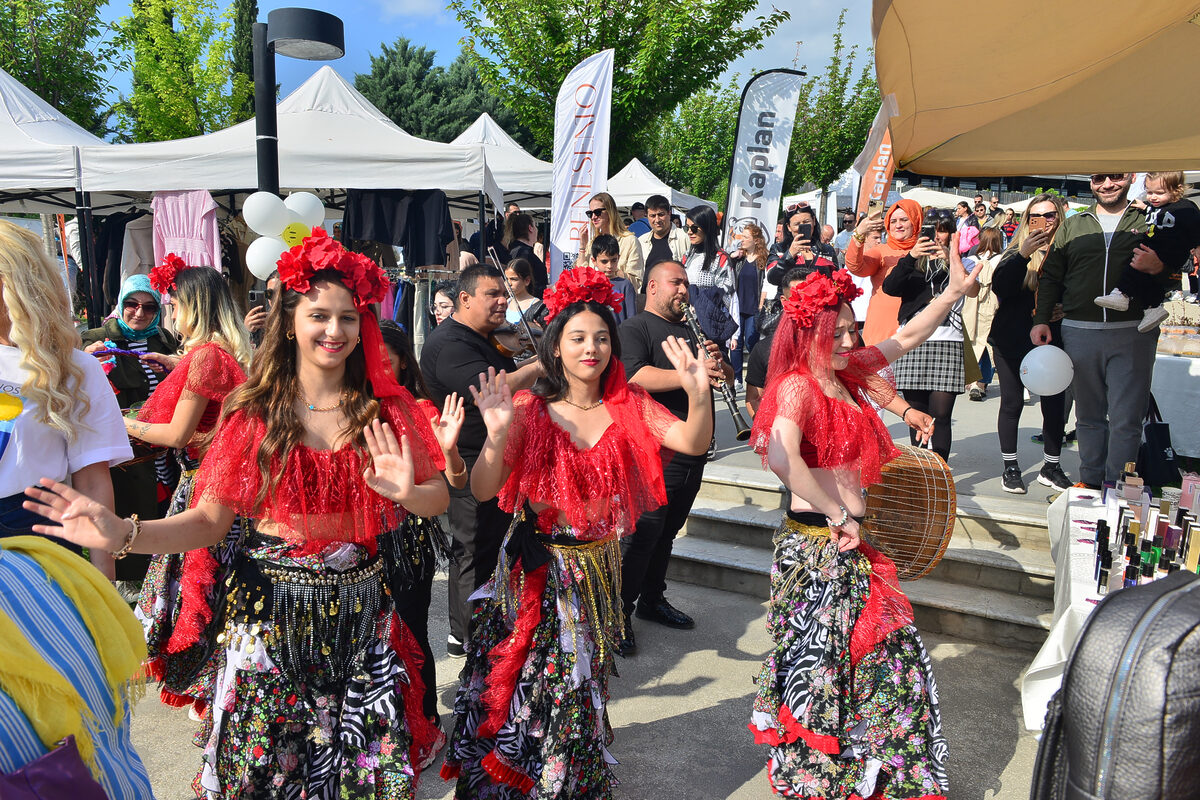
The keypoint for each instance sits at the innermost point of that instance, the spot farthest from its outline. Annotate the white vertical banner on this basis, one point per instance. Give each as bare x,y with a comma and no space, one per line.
760,151
582,117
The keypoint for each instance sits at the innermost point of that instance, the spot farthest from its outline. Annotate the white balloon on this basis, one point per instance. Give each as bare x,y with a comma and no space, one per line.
308,206
265,213
1047,370
262,255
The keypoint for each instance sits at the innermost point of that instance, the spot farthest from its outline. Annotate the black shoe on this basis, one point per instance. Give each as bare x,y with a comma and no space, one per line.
1069,438
454,648
628,645
1012,480
1052,475
1037,438
664,613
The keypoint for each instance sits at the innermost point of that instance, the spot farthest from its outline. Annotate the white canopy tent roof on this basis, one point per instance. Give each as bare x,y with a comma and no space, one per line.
635,183
330,137
932,197
521,176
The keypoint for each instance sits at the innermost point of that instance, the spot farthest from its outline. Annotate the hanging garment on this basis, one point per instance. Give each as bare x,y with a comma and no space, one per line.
137,247
418,221
185,223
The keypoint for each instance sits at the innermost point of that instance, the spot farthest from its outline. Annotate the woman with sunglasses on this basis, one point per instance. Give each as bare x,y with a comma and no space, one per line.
136,327
801,246
902,223
1014,285
603,218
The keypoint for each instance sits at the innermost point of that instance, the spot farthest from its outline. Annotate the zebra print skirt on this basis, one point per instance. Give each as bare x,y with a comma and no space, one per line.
846,699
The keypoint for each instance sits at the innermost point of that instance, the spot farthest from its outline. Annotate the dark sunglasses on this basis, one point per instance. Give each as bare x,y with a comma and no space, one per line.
695,229
1114,177
595,212
149,308
1049,215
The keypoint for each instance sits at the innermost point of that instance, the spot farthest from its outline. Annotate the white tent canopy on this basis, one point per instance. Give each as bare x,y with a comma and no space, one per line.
521,176
330,137
932,197
635,183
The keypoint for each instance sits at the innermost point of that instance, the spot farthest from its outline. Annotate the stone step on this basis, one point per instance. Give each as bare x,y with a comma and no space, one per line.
981,614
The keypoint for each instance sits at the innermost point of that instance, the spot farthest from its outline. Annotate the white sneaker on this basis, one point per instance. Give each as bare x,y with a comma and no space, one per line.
1152,319
1114,300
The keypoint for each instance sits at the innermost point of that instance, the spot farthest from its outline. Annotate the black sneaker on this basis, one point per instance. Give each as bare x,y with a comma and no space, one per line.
1037,438
628,645
1012,480
664,613
1052,475
454,648
1069,437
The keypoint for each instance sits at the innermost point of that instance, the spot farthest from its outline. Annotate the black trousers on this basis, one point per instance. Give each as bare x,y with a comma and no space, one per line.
646,552
1012,401
476,531
412,606
939,405
1142,288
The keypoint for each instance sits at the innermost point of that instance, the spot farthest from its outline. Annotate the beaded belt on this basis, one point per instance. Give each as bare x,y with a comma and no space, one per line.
817,531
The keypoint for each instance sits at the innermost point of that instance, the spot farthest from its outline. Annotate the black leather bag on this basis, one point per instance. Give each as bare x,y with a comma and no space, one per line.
1126,722
1157,464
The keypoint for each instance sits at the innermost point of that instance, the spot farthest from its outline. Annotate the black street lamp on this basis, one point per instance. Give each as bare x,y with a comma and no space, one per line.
299,33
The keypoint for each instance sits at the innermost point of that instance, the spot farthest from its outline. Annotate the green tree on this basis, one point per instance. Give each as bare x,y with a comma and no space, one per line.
245,14
662,53
183,80
690,147
62,51
833,119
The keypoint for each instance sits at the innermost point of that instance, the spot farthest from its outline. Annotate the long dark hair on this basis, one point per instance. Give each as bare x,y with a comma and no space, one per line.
410,377
705,219
553,386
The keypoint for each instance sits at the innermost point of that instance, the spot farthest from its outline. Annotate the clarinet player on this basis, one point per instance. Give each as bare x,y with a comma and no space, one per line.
646,552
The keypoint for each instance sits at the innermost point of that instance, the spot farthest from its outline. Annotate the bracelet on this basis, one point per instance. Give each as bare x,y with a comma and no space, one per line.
904,415
842,522
462,471
129,540
861,239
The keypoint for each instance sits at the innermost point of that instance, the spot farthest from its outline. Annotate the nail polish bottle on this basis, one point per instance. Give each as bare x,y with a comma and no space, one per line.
1173,568
1164,563
1102,583
1158,547
1131,575
1147,573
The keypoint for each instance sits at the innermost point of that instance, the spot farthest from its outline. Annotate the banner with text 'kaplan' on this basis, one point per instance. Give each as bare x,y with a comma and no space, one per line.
876,163
760,152
581,125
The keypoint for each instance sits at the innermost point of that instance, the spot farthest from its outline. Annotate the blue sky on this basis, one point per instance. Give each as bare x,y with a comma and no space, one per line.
805,39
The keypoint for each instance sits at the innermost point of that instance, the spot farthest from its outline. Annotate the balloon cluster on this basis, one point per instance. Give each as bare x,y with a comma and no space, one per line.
280,225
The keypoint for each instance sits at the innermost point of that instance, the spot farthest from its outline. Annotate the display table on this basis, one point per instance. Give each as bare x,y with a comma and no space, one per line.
1069,521
1176,388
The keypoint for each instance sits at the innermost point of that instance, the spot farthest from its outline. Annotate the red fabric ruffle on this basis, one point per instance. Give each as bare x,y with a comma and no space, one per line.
886,610
195,607
422,730
508,657
501,772
449,771
604,488
793,730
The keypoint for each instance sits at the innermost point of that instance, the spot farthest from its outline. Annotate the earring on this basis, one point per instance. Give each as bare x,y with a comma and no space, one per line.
359,340
290,335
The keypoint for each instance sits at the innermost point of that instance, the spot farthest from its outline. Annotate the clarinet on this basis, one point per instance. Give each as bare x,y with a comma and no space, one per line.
739,422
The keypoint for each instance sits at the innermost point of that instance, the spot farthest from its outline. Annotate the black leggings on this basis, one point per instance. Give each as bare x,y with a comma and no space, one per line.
939,405
1012,400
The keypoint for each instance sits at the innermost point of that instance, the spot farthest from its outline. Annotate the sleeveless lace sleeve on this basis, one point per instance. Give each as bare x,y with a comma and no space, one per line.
792,396
870,372
213,373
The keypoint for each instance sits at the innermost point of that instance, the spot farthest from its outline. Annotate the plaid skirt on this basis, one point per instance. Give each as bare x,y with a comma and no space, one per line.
932,367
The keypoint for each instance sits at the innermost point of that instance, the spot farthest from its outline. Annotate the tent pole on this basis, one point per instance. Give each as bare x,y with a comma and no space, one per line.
483,242
265,125
87,251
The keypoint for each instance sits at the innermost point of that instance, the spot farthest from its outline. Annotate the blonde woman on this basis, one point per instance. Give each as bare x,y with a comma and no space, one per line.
58,414
979,310
603,218
749,263
1014,285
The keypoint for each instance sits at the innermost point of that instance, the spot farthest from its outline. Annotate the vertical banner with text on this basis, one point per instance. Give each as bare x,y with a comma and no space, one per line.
876,163
581,126
760,151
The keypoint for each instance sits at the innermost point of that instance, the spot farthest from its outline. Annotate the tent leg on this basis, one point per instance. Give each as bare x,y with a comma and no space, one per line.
87,251
483,242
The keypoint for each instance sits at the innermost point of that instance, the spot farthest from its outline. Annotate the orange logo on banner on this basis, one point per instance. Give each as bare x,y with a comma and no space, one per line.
877,178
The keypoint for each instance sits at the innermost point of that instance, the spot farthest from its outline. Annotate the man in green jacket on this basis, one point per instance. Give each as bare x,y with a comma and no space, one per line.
1113,361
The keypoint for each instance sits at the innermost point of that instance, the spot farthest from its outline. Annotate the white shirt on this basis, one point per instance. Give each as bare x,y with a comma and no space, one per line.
30,449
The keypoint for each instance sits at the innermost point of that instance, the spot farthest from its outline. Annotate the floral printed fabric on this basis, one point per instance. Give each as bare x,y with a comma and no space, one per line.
838,729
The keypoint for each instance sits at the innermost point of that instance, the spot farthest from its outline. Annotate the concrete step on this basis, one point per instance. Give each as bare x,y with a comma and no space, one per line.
982,614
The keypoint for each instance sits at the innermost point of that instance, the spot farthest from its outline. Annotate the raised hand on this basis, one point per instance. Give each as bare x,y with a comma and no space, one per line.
692,373
494,400
450,424
84,521
391,473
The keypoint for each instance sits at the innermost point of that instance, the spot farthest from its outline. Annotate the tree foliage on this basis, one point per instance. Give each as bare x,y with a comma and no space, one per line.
430,101
662,53
833,119
63,52
183,78
245,14
690,147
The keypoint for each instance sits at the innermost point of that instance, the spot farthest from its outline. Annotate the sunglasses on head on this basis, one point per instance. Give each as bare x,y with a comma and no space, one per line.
797,206
149,308
1114,177
595,212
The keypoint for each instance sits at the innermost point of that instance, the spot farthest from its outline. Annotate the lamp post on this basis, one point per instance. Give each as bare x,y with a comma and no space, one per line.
299,33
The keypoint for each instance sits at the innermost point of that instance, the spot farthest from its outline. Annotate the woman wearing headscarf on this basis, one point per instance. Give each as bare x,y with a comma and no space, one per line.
136,327
902,223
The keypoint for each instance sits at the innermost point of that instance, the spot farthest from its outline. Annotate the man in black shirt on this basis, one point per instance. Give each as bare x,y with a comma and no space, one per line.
453,356
647,551
524,238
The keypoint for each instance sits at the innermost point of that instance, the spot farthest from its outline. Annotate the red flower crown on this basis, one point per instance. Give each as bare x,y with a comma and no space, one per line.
162,277
581,285
362,276
818,293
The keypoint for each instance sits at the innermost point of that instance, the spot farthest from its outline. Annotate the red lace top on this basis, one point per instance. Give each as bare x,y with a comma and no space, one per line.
208,371
601,490
321,494
834,434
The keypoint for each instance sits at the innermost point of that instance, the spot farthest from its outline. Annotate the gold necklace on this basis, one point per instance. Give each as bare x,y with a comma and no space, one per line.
596,404
333,407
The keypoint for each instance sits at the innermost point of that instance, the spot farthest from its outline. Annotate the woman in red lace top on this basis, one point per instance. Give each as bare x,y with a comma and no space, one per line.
846,698
577,460
316,693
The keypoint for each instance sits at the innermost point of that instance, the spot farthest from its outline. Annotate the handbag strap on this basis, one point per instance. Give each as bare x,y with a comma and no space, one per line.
1152,412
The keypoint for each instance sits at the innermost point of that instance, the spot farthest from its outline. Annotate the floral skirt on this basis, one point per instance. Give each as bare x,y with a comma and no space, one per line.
846,699
180,610
531,714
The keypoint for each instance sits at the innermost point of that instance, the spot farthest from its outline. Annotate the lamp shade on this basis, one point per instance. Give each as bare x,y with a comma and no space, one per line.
306,33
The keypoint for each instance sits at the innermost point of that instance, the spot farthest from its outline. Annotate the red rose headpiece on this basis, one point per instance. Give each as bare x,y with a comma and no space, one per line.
581,285
817,293
362,276
162,277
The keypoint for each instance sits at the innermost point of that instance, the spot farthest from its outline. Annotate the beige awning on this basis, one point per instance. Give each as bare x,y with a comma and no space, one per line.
1041,88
